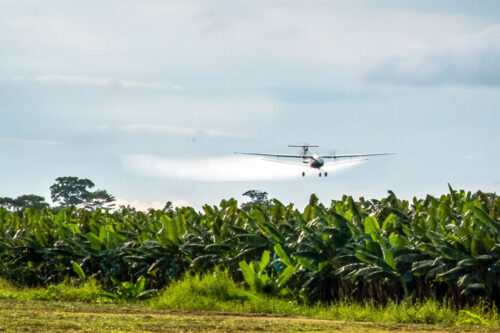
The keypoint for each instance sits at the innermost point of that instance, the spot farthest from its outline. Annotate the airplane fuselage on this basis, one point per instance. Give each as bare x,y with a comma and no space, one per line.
316,161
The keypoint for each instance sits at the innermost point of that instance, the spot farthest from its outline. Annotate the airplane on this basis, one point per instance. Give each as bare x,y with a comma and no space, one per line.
314,161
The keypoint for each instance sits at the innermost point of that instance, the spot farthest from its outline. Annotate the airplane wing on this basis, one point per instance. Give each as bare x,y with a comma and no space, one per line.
275,155
354,155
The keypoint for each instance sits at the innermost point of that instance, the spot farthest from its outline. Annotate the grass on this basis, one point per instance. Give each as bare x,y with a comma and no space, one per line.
89,291
41,317
218,292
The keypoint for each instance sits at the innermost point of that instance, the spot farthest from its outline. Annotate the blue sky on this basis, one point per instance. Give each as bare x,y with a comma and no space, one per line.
150,99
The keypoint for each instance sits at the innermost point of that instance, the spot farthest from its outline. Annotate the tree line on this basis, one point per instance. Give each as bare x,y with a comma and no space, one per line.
74,191
65,192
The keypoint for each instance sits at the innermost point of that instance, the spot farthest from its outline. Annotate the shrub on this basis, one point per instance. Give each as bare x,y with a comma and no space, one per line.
207,292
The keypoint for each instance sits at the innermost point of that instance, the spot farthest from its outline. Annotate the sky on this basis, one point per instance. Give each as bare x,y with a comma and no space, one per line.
149,99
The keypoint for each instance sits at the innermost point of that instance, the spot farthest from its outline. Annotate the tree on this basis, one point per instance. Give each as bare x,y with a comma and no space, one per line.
257,197
70,191
24,201
73,191
169,208
7,203
30,201
99,199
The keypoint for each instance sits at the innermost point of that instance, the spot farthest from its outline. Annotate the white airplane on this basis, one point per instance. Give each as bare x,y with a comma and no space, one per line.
315,161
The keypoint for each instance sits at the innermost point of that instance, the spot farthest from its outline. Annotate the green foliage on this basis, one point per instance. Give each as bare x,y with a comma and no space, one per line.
89,291
73,191
216,291
70,191
24,202
257,198
209,292
128,290
260,281
78,270
378,251
469,318
99,199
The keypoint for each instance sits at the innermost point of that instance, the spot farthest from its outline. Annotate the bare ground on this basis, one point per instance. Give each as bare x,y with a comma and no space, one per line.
38,316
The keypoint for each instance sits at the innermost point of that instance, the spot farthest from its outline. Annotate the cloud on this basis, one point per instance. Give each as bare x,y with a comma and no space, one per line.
144,206
168,129
259,44
471,59
90,81
227,168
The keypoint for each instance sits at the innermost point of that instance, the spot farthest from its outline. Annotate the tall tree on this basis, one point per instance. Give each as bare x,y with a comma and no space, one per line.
73,191
99,199
256,197
70,191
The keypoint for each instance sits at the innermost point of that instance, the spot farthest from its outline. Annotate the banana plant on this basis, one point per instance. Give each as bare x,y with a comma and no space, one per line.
260,280
446,247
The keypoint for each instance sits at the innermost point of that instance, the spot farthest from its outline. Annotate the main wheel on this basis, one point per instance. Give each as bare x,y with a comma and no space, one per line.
326,174
303,173
320,174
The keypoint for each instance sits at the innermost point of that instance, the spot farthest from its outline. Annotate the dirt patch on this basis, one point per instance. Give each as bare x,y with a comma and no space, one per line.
16,316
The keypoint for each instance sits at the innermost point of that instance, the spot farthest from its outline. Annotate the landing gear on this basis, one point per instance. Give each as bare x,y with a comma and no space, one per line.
320,174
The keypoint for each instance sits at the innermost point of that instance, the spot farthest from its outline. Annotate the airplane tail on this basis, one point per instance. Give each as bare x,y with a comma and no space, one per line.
305,150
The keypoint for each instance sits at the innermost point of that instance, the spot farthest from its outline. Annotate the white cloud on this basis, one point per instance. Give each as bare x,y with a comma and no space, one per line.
343,37
469,59
144,206
90,81
228,168
210,42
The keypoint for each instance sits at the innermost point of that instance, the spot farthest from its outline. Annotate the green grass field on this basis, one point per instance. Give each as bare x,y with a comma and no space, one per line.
42,316
214,303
